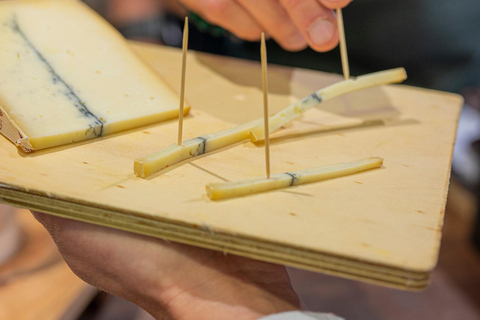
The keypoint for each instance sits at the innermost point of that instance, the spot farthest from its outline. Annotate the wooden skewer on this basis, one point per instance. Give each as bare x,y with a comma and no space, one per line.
343,45
265,104
182,88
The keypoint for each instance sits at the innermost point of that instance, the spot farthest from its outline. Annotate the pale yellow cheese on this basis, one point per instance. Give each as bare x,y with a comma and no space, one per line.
295,110
66,75
225,190
157,161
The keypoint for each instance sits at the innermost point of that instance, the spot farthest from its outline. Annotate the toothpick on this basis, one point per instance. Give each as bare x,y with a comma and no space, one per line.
265,103
343,45
182,88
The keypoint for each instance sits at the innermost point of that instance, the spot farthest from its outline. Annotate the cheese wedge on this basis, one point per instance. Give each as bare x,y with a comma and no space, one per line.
66,75
225,190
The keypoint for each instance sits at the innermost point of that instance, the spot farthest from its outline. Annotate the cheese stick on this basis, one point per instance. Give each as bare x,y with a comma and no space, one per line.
225,190
157,161
293,111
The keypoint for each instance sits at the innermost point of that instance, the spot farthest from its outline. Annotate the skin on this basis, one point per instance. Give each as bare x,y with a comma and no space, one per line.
171,280
294,24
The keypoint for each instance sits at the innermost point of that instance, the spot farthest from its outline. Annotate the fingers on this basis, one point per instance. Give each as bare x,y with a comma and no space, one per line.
316,23
292,23
275,20
229,15
335,4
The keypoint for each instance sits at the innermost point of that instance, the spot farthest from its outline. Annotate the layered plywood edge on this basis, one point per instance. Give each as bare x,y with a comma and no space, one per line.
381,226
204,236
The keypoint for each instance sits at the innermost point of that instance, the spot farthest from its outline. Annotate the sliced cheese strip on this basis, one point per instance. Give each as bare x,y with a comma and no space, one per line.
66,75
295,110
157,161
225,190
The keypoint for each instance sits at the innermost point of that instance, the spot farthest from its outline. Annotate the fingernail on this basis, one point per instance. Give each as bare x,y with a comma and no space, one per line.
321,31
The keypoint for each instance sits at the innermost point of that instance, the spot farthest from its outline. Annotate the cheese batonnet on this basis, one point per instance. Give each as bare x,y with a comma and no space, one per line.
225,190
157,161
66,75
293,111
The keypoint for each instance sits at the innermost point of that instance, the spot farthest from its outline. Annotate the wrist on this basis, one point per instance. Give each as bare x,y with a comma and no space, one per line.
185,306
227,296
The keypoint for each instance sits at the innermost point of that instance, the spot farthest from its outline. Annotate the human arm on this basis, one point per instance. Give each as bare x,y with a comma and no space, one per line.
170,280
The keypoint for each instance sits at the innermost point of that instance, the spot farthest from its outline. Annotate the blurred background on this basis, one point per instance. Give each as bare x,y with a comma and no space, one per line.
437,41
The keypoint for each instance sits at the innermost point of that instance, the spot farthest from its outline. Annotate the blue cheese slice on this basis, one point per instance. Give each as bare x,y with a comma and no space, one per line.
66,75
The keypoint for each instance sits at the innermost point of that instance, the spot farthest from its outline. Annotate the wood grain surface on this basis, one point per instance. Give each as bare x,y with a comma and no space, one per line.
382,226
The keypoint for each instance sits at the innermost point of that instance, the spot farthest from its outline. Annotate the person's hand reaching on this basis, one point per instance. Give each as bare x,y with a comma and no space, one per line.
294,24
171,280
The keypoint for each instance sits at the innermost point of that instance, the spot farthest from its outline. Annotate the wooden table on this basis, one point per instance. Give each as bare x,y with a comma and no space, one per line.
382,226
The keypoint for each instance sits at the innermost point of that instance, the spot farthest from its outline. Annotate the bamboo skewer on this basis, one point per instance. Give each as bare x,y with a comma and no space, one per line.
265,104
343,45
182,86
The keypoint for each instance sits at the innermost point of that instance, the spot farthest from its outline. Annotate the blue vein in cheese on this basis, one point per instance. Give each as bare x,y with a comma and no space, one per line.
66,75
232,189
201,147
96,126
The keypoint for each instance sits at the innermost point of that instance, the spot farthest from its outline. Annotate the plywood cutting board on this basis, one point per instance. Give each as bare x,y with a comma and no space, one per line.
382,226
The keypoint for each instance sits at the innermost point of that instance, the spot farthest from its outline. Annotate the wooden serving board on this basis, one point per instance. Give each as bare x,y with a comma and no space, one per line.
382,226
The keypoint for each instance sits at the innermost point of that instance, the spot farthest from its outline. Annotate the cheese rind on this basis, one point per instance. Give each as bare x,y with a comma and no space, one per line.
66,75
225,190
13,133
